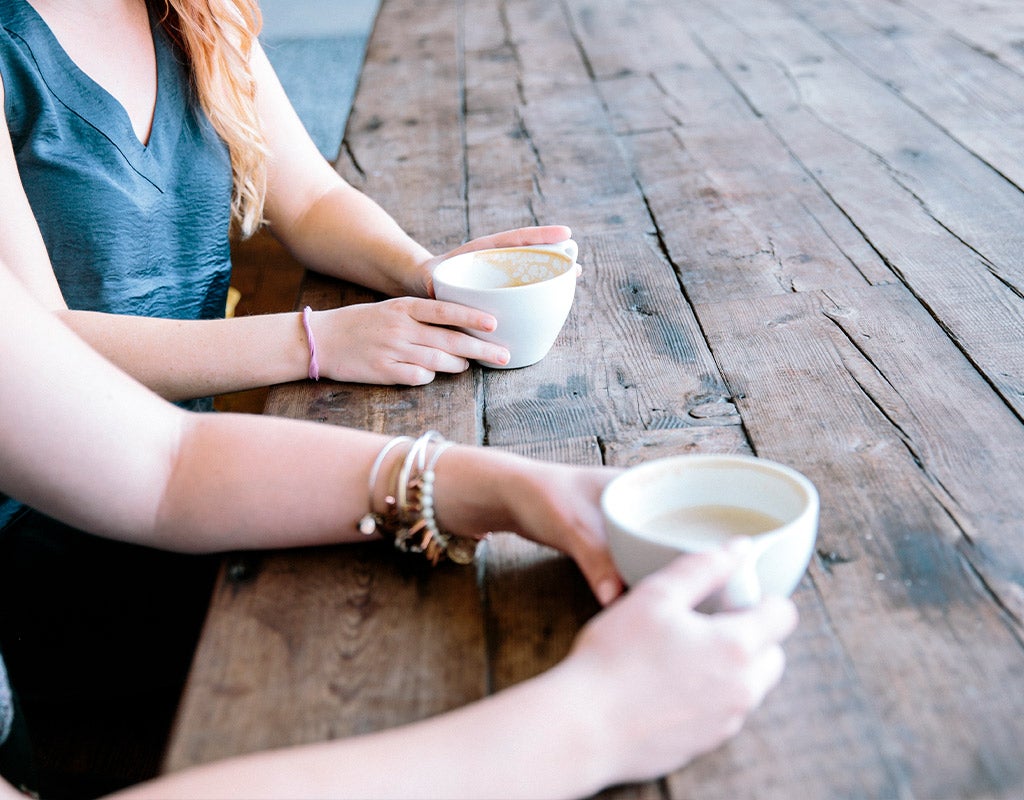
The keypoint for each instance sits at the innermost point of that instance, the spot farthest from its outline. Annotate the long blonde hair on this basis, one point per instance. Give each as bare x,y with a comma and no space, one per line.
217,36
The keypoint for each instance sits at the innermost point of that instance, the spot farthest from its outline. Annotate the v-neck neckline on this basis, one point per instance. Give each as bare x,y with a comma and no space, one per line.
87,99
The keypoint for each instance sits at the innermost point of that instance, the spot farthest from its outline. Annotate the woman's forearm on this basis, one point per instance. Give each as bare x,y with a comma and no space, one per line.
246,482
183,359
242,481
329,225
347,235
510,745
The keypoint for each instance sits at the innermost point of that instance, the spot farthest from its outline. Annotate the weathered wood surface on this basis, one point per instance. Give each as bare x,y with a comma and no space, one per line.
802,226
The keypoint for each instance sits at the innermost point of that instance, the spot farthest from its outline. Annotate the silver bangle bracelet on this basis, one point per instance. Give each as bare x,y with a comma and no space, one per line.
409,518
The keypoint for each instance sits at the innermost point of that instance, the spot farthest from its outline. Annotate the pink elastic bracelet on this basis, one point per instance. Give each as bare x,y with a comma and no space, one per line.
314,367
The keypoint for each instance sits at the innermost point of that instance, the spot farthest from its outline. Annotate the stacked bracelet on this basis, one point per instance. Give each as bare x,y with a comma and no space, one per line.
408,519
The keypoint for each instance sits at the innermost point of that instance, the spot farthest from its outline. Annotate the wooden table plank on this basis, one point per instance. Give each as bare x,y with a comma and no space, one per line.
699,152
943,134
973,99
943,221
993,27
300,647
404,134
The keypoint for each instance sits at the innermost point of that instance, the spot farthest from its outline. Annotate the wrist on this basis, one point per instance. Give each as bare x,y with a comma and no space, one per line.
419,276
405,267
476,490
581,749
401,505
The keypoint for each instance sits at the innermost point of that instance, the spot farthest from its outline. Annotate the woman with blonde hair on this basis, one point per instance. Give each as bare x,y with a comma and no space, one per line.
135,135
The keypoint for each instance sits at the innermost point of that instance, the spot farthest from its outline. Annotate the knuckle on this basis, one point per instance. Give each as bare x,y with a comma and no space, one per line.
656,591
402,308
662,608
436,361
458,343
382,364
447,313
445,343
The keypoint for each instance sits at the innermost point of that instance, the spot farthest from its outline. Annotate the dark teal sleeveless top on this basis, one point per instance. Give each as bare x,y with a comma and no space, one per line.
130,228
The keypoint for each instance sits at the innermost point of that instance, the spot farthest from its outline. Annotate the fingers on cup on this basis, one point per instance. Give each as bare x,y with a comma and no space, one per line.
469,347
697,576
449,315
455,315
750,670
520,237
444,320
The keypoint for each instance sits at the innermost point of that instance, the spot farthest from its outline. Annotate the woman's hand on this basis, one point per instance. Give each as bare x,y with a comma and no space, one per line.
669,683
405,340
561,508
542,234
486,489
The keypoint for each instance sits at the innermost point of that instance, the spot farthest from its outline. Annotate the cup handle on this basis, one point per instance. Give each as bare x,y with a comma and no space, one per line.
570,248
744,588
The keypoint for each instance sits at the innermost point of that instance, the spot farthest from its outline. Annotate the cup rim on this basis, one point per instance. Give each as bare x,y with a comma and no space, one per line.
810,506
546,249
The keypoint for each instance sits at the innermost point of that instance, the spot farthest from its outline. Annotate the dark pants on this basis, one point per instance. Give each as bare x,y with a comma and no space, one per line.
97,637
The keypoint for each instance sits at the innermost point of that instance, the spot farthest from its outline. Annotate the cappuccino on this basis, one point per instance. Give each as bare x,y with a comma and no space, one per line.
709,526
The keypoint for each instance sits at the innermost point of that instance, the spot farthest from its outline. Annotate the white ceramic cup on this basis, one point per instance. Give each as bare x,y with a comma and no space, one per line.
529,291
694,503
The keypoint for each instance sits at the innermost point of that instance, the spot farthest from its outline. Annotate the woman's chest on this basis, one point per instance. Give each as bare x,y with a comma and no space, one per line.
114,47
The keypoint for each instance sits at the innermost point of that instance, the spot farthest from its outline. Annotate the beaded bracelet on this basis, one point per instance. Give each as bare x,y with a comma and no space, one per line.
408,519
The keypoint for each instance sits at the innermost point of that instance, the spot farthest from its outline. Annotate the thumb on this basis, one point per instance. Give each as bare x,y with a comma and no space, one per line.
695,577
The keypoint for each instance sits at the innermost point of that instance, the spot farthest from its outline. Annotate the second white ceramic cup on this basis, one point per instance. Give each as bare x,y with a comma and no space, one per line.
528,289
693,503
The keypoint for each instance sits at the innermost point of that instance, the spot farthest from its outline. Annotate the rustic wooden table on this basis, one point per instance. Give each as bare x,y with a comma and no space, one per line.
802,227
